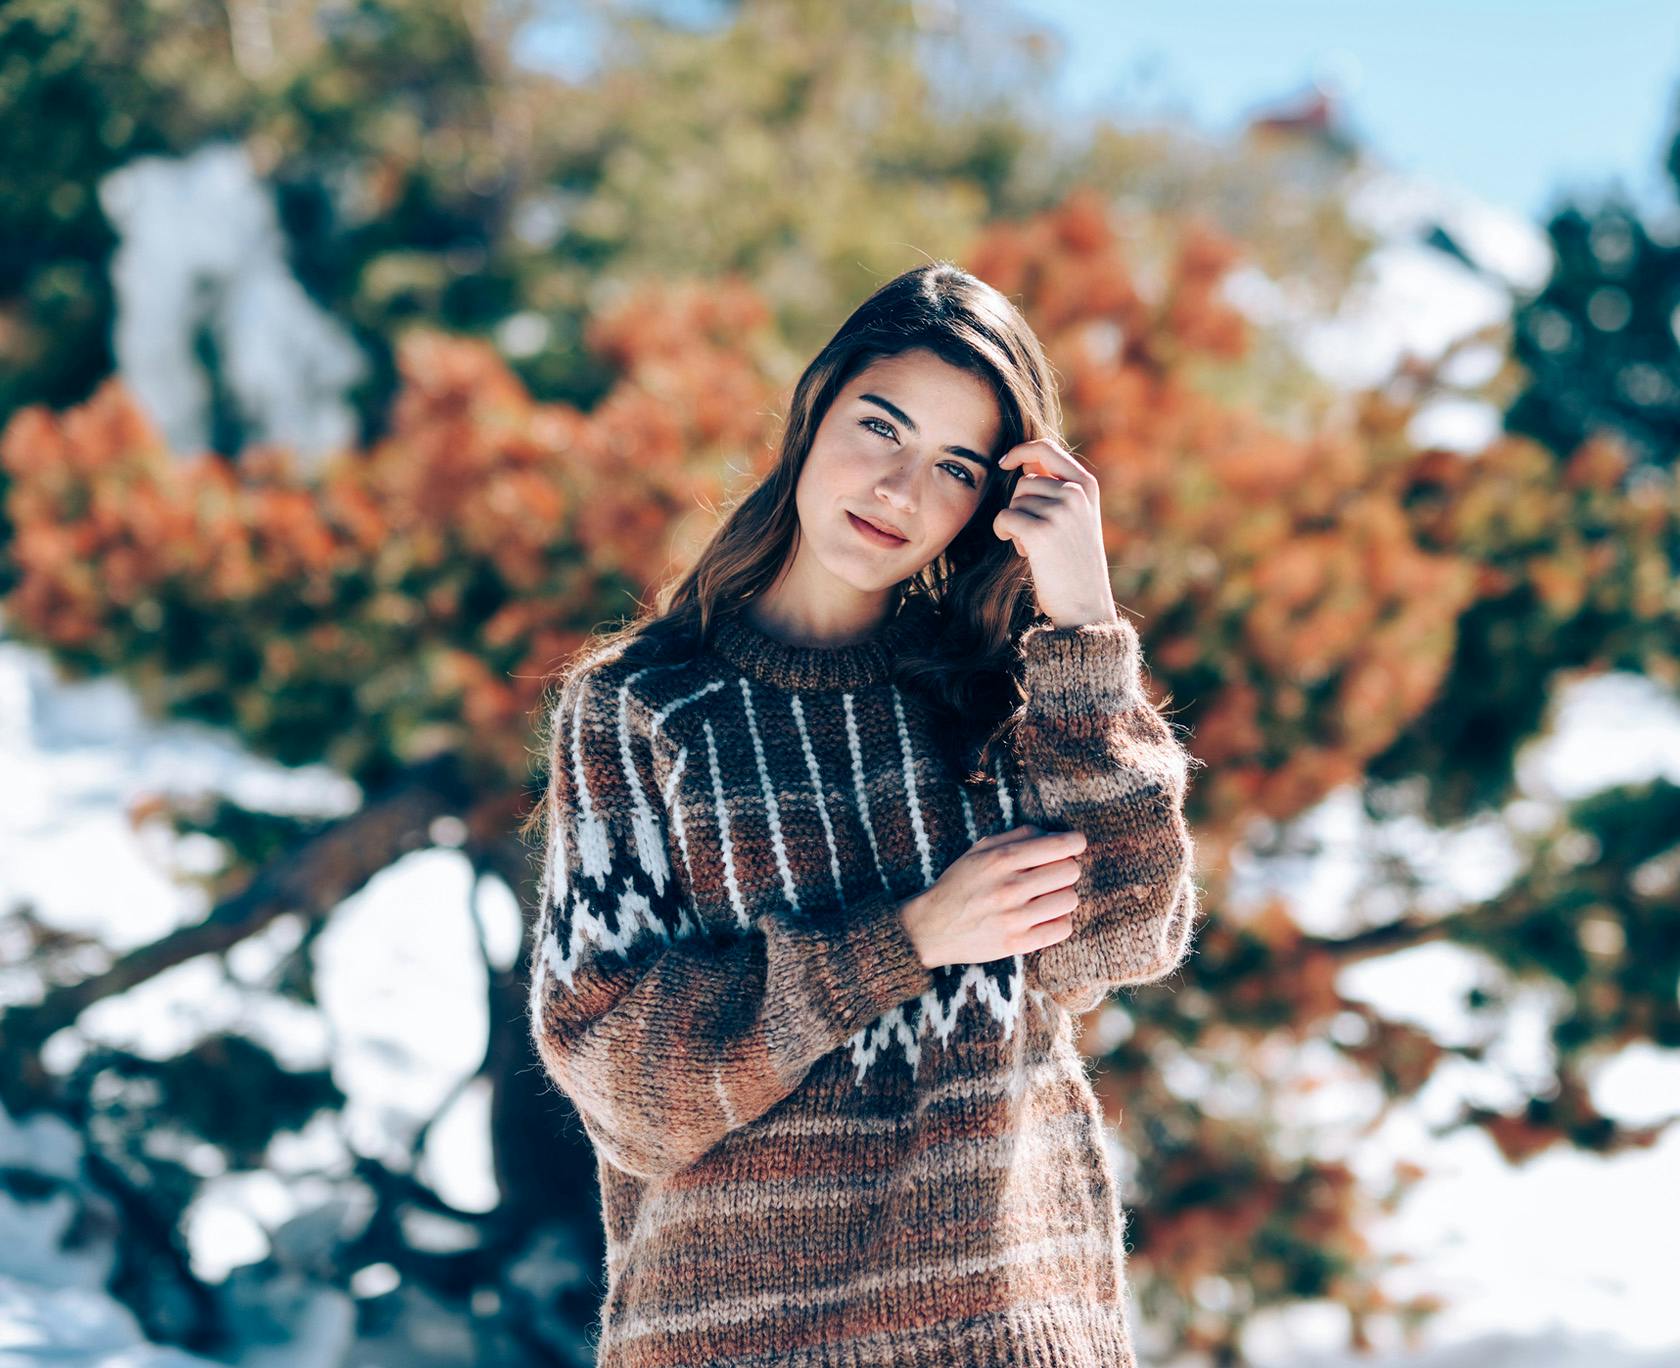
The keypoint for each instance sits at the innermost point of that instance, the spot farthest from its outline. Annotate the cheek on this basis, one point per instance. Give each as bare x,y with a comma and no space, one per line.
821,490
816,482
945,519
835,469
958,502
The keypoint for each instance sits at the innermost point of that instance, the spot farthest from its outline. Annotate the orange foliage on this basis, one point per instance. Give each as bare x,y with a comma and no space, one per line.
1327,572
483,524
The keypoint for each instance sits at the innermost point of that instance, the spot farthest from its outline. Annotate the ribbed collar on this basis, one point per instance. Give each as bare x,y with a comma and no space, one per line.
774,661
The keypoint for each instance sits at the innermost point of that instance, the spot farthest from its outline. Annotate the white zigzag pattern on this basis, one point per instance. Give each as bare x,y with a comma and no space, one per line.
894,1028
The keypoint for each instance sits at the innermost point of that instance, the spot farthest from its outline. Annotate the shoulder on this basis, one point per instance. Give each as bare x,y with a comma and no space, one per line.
620,684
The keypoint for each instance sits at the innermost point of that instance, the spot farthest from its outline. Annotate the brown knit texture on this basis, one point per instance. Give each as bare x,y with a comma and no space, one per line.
813,1150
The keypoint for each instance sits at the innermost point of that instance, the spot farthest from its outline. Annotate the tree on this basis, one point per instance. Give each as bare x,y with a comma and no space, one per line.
1601,338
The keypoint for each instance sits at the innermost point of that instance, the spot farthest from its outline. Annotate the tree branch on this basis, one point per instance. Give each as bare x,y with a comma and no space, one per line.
310,879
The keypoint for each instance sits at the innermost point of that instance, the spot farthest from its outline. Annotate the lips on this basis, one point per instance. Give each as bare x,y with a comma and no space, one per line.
875,533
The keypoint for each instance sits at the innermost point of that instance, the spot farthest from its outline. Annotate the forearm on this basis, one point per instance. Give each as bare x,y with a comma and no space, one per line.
699,1040
1096,756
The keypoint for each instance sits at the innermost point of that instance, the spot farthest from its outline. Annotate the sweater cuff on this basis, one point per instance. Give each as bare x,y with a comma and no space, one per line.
1077,671
871,964
1126,948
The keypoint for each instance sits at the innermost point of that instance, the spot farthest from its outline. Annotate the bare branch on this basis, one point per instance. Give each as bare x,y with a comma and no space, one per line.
309,880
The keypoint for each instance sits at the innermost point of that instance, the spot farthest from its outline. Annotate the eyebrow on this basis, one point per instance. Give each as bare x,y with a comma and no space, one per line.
910,423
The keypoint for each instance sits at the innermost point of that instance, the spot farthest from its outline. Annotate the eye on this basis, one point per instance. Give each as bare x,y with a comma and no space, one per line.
891,432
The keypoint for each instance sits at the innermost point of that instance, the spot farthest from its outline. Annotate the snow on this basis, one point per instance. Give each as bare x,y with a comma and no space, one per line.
1412,298
76,1326
402,1023
1397,205
1572,1249
201,248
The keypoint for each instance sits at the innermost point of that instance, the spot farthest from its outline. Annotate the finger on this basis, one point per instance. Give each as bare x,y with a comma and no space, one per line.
1047,848
1039,505
1011,522
1052,875
1048,915
1013,530
1055,460
1016,835
1004,534
1031,466
1056,929
1033,452
1060,491
997,838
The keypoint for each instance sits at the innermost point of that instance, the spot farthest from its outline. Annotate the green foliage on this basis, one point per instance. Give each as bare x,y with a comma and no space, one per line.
1601,339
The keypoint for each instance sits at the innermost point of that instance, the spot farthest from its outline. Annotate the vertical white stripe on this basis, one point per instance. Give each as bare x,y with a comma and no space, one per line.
772,809
555,875
594,846
669,793
796,704
968,814
673,784
1006,801
907,754
728,846
652,853
860,788
673,805
539,977
730,1119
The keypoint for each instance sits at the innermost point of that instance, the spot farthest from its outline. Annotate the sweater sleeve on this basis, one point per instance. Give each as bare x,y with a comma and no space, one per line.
665,1037
1096,756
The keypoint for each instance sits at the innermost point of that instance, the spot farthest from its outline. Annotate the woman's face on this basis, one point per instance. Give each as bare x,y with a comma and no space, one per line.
908,444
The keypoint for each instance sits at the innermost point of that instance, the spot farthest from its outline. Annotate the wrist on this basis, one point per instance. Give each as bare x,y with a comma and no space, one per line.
1084,617
909,912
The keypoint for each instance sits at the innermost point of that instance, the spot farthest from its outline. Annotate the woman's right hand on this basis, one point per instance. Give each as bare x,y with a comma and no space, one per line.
1008,894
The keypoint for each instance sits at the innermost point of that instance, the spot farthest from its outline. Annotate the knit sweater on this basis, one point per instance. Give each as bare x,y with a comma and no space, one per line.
813,1150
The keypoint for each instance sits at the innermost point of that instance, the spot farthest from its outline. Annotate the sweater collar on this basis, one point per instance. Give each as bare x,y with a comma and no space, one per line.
774,661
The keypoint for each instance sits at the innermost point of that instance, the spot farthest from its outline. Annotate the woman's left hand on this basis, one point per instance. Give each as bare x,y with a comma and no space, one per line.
1055,520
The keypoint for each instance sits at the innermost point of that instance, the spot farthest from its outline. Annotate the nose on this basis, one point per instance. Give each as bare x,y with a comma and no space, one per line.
896,489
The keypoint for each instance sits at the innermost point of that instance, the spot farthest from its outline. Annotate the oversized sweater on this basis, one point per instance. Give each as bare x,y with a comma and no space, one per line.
813,1150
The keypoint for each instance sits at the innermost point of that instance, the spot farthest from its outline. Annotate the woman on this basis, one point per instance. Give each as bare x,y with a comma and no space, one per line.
835,842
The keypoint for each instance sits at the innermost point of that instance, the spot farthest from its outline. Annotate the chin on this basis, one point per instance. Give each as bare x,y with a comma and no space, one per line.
846,572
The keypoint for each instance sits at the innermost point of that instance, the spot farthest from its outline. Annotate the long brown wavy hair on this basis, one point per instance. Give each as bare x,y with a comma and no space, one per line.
978,590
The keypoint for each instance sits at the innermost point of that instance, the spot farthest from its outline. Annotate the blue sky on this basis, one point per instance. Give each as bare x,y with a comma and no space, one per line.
1509,99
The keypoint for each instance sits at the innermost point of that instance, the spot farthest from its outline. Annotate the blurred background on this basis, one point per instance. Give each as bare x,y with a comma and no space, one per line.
358,358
